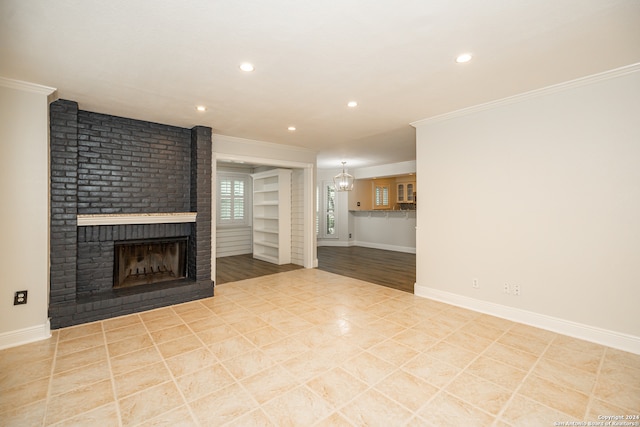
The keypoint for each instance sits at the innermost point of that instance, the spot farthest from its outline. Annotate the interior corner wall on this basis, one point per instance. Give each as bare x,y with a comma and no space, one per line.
24,195
297,217
542,192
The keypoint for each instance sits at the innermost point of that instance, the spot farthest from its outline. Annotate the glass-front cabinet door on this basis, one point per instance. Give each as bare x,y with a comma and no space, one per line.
400,193
406,191
410,187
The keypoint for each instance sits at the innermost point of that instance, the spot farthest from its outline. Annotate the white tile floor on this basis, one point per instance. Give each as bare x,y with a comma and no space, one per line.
307,348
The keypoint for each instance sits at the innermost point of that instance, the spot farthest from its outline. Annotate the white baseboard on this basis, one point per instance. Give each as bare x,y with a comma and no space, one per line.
343,244
335,243
25,336
406,249
566,327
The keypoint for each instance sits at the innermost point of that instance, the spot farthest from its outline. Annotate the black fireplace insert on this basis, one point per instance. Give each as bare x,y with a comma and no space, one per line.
144,262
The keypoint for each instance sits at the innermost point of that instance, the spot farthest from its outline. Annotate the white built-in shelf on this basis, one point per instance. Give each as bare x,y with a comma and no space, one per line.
268,230
272,216
141,218
267,244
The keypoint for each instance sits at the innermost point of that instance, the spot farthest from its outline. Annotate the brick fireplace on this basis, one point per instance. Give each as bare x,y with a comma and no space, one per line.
118,181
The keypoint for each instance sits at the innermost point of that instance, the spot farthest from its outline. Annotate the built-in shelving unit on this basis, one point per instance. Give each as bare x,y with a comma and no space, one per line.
272,216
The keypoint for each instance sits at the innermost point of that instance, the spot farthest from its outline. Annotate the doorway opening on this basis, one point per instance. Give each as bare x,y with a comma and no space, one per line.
233,230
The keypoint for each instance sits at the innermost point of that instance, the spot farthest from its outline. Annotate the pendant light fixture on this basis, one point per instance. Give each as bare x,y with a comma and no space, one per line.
343,181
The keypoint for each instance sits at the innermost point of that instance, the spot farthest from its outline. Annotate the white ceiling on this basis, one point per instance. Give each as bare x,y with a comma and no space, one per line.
157,59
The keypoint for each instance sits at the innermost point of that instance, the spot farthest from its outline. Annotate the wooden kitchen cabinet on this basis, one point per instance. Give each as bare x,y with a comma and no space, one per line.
405,192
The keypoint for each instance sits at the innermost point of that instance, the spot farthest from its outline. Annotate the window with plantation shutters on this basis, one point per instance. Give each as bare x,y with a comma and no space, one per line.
381,199
326,211
232,200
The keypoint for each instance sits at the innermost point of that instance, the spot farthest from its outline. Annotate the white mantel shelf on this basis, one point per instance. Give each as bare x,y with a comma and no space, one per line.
142,218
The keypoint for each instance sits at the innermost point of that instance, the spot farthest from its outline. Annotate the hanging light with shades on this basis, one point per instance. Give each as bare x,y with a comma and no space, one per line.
343,181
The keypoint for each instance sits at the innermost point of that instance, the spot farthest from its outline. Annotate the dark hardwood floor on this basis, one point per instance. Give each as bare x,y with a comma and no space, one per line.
241,267
388,268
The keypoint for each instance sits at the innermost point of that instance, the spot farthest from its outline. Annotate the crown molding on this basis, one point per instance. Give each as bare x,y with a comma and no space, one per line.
583,81
26,86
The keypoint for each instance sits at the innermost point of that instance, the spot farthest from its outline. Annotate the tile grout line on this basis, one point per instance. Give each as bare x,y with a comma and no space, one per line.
239,382
221,363
462,370
104,343
154,345
164,362
414,413
441,389
498,417
399,368
321,324
344,404
111,375
50,385
595,383
529,374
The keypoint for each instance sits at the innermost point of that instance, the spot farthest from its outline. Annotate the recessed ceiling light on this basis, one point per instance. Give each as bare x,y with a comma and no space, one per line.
245,66
201,108
352,104
291,128
465,57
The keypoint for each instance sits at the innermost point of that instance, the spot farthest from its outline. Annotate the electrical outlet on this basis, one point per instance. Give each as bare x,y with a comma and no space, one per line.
20,298
516,290
507,288
475,283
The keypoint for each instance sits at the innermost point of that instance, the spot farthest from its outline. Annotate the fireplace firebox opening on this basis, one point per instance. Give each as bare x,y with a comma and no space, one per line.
144,262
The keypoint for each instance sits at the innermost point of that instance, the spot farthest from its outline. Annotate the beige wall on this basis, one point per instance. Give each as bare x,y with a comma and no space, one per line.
542,191
24,212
